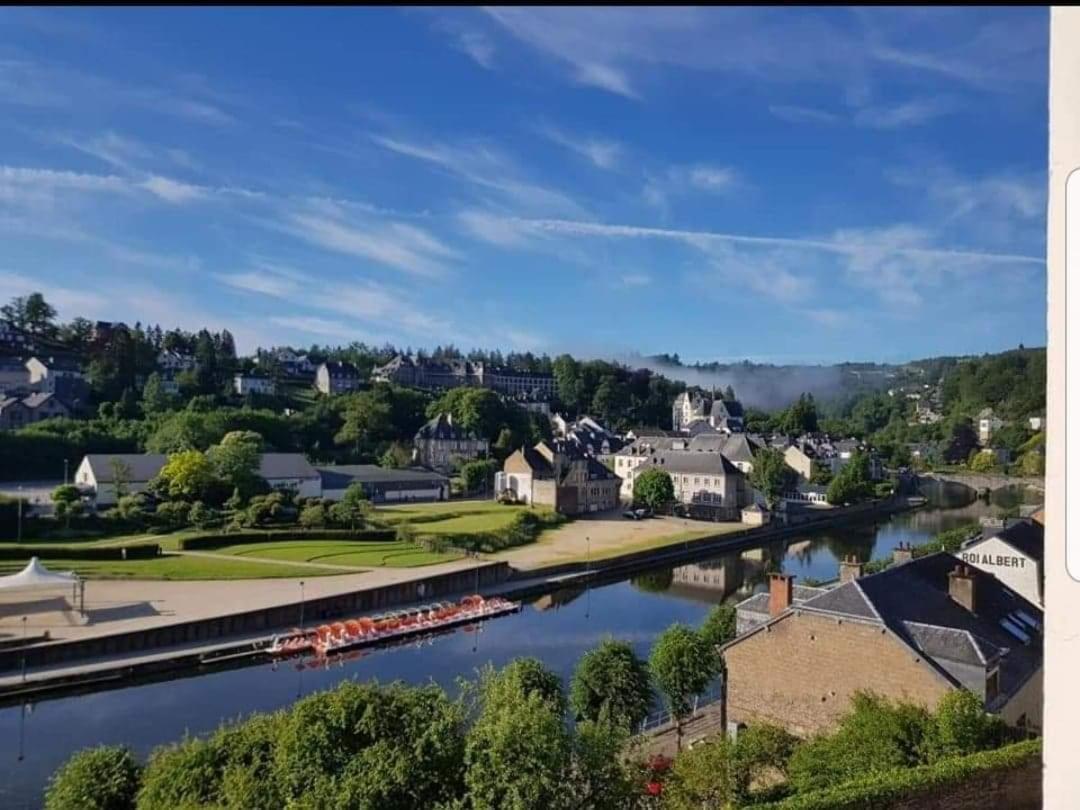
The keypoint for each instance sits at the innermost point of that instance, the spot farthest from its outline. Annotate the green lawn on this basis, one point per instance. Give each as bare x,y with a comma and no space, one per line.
340,552
175,567
443,510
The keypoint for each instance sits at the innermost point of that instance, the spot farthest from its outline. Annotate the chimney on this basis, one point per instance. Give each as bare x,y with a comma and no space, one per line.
902,553
780,588
850,568
962,587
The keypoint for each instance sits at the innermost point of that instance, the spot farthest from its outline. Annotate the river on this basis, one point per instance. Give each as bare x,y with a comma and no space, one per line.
556,628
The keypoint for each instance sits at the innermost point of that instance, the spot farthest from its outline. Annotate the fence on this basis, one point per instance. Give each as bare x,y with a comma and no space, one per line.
662,718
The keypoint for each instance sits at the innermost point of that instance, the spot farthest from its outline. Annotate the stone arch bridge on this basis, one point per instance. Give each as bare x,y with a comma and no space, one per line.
985,482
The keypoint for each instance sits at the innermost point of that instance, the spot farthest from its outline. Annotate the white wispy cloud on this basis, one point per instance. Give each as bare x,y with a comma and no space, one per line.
173,191
483,166
795,114
402,247
904,114
478,46
601,152
635,280
619,49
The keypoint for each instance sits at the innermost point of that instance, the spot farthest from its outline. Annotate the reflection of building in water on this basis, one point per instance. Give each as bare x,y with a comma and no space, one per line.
717,579
556,599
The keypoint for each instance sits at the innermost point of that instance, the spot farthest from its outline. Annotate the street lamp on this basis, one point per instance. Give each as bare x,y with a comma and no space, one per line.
301,606
24,649
20,514
588,591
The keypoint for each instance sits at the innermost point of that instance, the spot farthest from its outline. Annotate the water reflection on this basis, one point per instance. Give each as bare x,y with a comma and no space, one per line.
556,628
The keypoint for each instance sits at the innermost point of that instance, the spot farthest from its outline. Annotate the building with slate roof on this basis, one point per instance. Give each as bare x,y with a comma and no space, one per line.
441,374
550,476
440,444
337,377
96,474
383,484
913,632
707,482
1013,553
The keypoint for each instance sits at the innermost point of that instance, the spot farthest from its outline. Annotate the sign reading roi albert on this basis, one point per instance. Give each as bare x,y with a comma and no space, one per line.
995,560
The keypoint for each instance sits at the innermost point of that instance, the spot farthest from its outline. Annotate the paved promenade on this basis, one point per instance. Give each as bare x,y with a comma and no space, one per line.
117,606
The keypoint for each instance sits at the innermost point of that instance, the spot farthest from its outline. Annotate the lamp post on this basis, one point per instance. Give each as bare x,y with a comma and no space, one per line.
301,606
65,470
19,535
588,562
24,649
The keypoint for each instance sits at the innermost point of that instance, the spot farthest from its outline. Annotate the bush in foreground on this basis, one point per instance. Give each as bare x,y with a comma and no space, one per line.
105,778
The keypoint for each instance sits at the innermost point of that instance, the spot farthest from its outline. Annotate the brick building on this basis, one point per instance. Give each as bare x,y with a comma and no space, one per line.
913,632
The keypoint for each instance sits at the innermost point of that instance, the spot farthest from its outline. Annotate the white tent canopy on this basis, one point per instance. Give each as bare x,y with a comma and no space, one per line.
36,575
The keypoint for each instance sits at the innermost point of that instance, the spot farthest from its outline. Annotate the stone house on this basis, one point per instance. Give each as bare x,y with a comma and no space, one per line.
544,475
913,632
440,443
337,377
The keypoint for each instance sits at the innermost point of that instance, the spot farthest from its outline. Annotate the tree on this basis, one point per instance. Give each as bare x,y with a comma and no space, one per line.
875,735
771,476
67,501
720,772
154,397
682,664
611,678
32,313
653,488
121,472
801,417
477,476
236,459
961,725
518,752
314,515
719,625
397,455
367,420
102,778
852,483
982,461
187,475
353,509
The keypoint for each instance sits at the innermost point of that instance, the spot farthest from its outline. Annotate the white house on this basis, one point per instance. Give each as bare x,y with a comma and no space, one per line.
988,424
1013,554
253,384
96,475
700,479
48,374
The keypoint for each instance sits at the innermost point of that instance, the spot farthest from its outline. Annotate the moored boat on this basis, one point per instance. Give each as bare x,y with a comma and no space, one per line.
397,624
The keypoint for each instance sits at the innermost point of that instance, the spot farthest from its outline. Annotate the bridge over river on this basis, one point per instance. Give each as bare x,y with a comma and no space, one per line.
985,482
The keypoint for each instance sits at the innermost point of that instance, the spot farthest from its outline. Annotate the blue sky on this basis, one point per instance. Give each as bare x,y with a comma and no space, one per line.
786,185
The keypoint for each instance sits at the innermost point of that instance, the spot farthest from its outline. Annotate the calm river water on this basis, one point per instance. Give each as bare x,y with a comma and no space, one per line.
556,628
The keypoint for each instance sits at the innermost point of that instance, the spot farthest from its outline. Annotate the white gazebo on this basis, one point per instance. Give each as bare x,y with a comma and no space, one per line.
37,576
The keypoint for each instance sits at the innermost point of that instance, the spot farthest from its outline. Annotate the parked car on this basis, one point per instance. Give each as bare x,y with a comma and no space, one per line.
631,514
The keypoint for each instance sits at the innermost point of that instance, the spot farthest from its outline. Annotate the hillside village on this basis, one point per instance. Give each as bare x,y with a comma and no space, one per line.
419,426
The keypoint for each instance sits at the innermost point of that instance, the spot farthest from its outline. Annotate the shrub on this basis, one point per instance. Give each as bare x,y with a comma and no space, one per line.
173,514
314,516
875,735
202,516
103,778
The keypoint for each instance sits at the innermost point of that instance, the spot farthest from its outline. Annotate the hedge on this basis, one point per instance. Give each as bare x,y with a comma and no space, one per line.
879,789
136,552
217,540
523,529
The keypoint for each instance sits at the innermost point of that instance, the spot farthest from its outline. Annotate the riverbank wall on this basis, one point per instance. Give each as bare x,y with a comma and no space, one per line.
260,621
692,550
188,645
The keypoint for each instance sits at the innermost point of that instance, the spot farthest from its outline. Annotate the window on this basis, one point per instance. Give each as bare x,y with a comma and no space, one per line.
993,684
